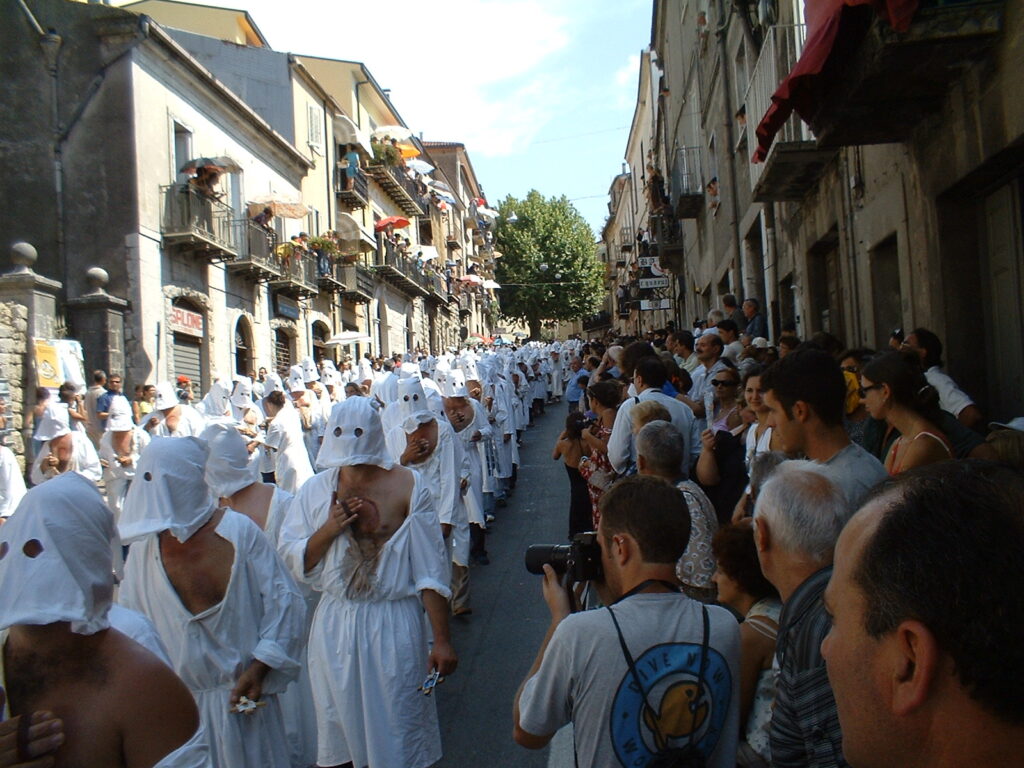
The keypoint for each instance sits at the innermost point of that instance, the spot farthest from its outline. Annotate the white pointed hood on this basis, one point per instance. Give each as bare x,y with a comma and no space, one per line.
413,406
215,404
309,372
228,467
455,384
241,394
165,397
295,381
169,492
55,422
354,435
56,560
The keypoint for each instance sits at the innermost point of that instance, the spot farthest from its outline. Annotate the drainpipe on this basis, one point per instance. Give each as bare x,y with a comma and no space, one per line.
771,271
359,110
723,53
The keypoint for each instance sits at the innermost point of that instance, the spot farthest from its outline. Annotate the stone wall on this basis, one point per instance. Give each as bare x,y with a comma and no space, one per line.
13,349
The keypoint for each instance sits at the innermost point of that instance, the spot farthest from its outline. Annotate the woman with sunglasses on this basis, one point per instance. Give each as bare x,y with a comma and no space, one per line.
726,386
894,389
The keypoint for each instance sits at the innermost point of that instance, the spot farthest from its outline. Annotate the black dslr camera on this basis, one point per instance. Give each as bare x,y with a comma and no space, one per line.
580,559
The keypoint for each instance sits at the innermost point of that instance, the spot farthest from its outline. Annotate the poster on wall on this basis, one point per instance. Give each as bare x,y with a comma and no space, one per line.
49,372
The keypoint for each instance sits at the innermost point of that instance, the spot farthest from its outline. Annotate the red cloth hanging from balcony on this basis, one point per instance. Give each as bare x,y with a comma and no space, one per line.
797,91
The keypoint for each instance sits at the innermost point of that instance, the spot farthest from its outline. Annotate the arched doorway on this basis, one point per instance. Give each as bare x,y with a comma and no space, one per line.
284,351
321,333
243,347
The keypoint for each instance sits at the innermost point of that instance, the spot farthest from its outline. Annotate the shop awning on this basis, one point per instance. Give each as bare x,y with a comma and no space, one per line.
824,29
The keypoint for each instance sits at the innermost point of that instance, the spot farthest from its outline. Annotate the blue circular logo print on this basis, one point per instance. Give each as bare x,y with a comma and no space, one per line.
669,673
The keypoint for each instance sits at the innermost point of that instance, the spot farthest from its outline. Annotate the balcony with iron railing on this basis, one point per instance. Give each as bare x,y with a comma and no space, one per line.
687,182
195,222
352,192
879,84
329,275
399,186
669,247
256,257
794,162
359,281
298,275
399,270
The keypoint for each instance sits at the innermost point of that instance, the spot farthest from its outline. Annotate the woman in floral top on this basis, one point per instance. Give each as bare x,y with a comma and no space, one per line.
596,469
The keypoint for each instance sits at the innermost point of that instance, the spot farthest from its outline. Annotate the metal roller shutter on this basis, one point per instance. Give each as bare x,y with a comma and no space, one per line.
188,358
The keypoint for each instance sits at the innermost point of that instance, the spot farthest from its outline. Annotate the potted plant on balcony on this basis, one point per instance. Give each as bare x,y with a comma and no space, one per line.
326,249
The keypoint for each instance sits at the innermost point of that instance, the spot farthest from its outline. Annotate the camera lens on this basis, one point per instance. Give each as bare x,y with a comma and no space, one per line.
555,555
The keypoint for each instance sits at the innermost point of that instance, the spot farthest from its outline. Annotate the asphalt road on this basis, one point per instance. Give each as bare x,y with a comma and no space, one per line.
498,642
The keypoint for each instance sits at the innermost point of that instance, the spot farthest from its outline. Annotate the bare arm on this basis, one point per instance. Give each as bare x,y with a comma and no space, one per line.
558,603
157,723
970,416
442,655
707,465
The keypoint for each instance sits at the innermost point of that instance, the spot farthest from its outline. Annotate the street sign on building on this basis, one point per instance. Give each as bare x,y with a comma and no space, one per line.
647,261
653,282
647,305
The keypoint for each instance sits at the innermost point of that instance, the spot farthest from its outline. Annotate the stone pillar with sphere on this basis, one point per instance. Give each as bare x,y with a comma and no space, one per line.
97,322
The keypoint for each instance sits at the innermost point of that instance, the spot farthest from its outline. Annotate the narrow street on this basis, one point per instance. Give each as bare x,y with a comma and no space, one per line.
498,642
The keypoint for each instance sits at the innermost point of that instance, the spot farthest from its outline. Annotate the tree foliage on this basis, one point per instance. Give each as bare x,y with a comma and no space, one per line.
548,269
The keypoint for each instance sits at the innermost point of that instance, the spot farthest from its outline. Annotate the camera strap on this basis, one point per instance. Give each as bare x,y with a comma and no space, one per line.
636,675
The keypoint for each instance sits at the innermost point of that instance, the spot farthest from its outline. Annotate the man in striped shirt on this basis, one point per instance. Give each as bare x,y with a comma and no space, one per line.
797,521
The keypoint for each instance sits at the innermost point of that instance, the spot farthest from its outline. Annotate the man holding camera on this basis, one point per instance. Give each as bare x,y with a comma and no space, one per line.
654,675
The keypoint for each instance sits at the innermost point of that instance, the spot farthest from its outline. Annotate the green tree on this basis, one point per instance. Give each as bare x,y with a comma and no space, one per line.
548,269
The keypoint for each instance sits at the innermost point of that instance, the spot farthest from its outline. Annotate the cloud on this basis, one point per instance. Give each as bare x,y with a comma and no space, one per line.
474,71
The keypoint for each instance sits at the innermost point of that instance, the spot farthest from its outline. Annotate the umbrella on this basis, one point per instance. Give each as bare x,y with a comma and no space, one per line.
428,252
484,339
398,222
487,213
347,337
422,167
491,285
222,164
279,206
472,279
408,151
439,185
399,132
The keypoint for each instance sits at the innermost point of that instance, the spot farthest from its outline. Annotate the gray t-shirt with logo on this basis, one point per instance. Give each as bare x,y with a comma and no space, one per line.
584,679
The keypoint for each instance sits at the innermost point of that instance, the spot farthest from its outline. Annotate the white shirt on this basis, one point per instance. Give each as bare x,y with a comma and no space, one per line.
621,447
952,399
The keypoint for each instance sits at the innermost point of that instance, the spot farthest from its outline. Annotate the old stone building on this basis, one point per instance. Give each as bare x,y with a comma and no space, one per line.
890,198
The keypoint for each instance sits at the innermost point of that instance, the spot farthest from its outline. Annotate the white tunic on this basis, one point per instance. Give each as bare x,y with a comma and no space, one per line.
116,477
262,617
288,451
368,657
12,484
191,424
476,459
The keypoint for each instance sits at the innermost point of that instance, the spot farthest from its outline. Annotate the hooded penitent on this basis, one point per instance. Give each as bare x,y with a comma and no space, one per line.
296,383
309,372
165,397
215,404
56,558
455,384
55,422
413,407
169,492
228,467
354,435
241,394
